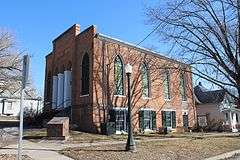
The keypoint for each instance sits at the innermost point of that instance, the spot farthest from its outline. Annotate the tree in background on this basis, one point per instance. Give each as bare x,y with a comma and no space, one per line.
10,68
205,34
10,63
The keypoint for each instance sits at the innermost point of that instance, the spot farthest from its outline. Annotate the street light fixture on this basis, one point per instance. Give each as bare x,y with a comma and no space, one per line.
130,141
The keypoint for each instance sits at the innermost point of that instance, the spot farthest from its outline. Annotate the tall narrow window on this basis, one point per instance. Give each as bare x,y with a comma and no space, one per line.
119,116
169,119
118,76
49,86
147,119
85,75
183,86
145,80
166,85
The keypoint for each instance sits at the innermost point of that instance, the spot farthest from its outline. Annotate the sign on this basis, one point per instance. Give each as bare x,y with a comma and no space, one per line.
25,71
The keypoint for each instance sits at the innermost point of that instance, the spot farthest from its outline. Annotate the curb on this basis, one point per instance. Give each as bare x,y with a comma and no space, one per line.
224,155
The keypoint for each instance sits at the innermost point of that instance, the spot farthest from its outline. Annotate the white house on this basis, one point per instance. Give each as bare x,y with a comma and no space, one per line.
10,101
10,106
218,106
231,112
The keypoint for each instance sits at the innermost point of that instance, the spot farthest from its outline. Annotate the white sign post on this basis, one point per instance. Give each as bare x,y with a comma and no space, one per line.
25,72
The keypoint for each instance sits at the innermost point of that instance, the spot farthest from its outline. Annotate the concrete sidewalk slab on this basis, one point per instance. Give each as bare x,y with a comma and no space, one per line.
224,155
35,151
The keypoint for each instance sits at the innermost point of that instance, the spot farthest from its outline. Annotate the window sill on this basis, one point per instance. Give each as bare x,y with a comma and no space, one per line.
119,95
146,98
168,100
146,109
121,132
148,130
85,95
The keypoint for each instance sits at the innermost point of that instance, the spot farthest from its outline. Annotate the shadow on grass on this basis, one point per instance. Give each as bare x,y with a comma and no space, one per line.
100,150
33,137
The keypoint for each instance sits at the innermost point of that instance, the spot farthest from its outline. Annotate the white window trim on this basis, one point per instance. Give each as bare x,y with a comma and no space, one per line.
148,130
169,109
167,99
145,98
85,95
146,109
120,108
116,95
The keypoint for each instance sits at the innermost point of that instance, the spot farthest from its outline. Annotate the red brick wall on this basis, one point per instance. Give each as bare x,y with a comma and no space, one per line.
82,104
104,55
60,58
88,110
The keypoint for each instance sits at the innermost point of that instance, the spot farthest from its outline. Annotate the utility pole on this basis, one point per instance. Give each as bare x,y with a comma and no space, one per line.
25,72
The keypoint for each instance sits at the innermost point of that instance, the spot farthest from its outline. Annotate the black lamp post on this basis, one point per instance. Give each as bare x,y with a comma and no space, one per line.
130,141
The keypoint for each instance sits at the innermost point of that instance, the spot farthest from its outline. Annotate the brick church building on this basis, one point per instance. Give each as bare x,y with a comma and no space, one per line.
85,72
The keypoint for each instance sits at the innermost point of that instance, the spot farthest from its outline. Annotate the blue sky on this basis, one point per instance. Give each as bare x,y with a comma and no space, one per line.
36,23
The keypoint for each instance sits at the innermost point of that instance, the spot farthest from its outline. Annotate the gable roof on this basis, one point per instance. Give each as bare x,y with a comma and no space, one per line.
204,96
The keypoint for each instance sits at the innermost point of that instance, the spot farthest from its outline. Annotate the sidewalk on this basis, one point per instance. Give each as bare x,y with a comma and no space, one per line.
48,150
229,155
36,151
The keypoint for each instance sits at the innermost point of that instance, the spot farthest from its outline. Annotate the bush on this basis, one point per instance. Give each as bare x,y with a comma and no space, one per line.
214,125
32,119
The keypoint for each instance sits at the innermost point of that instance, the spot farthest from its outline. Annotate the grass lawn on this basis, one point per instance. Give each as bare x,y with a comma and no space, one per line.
82,137
182,149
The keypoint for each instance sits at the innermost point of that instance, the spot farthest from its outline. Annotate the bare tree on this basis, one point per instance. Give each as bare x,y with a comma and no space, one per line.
205,34
10,63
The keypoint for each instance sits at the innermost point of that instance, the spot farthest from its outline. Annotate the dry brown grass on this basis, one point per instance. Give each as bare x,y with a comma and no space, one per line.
12,157
182,149
82,137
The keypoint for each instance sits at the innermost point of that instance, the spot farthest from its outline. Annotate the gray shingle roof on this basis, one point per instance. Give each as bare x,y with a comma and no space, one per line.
204,96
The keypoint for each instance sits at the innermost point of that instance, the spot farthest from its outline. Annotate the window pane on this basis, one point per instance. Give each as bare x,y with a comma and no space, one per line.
9,105
183,86
166,85
121,122
85,75
145,80
118,76
168,119
147,119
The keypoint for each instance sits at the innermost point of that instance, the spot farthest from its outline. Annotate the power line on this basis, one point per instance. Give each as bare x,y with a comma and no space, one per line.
148,34
159,24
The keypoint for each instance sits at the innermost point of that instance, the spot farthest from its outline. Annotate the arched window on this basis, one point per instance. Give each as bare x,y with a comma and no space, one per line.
145,80
166,85
183,86
85,75
118,76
